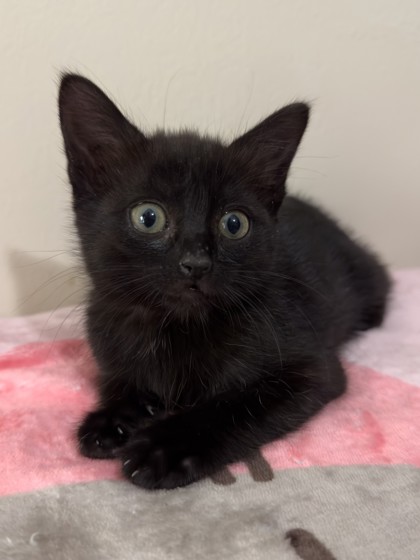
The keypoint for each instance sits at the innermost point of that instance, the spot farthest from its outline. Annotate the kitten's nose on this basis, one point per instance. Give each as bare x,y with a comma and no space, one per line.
195,266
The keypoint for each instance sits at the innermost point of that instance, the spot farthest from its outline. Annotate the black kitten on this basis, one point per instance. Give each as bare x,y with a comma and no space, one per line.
218,304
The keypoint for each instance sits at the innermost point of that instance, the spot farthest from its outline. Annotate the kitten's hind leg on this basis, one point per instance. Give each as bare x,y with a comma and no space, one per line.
373,285
375,301
372,316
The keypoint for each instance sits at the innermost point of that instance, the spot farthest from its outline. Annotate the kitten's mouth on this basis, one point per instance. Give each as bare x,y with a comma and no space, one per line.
188,295
194,291
193,294
189,299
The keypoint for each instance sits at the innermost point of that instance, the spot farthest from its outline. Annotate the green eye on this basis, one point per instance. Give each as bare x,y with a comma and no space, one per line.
234,225
148,217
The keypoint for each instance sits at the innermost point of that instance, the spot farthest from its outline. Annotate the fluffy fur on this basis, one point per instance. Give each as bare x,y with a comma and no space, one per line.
200,368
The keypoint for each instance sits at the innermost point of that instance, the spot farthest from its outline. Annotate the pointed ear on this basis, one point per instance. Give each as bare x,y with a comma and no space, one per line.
268,150
97,136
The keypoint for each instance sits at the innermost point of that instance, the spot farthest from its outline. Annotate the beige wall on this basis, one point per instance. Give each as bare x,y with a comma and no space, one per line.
221,65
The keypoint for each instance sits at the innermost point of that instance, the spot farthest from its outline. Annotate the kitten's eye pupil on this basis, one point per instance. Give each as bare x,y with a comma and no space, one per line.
148,218
233,224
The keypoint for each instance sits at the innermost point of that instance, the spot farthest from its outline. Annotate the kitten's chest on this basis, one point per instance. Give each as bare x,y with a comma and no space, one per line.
180,365
184,354
183,367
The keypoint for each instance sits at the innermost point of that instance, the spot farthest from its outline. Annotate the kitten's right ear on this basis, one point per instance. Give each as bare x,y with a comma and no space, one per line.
268,150
97,136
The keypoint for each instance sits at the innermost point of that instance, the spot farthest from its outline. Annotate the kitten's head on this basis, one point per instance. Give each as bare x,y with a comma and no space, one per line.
176,222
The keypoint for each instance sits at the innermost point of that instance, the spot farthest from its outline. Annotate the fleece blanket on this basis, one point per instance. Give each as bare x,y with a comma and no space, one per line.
346,486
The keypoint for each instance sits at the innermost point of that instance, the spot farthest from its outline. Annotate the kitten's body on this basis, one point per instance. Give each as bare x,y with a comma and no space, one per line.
199,369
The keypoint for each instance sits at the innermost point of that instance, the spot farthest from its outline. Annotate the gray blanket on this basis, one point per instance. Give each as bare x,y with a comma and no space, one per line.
341,513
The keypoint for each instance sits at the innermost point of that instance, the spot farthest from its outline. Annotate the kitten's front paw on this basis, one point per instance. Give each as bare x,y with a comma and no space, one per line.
153,462
103,432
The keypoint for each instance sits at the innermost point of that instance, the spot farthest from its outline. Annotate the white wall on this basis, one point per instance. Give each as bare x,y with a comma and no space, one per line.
220,65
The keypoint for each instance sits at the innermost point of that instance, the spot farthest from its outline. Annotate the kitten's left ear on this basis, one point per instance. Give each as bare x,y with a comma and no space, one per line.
98,139
268,150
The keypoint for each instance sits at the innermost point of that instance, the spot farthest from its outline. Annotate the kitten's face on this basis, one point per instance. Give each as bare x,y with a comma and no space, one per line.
177,223
178,230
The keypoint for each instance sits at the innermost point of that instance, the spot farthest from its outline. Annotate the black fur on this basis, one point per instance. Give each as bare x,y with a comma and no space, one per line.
199,368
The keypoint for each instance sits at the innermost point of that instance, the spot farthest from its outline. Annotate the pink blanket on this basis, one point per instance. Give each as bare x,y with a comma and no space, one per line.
47,384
